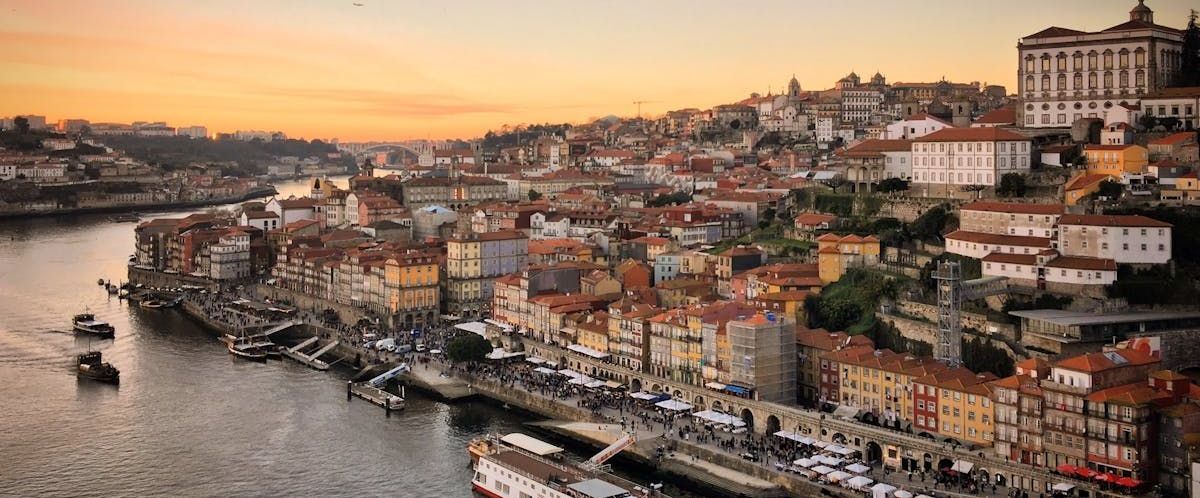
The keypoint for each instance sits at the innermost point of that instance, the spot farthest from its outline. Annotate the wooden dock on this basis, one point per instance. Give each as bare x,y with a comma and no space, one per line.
374,395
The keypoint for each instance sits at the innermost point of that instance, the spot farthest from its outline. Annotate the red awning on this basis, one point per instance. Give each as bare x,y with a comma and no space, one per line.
1067,468
1106,477
1085,472
1129,482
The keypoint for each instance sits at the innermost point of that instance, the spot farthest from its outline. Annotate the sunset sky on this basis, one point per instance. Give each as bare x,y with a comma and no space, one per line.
392,70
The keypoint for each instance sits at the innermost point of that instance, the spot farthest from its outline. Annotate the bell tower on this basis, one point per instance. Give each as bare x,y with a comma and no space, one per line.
1142,13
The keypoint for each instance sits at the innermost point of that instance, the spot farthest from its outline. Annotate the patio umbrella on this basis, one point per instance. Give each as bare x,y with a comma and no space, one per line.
1085,472
1129,482
1066,468
1106,477
900,493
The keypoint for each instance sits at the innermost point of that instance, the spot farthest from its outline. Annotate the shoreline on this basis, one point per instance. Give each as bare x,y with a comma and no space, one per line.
257,193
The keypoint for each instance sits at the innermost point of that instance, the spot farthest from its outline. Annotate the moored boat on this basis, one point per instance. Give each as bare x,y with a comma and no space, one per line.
88,324
517,464
151,303
92,366
244,349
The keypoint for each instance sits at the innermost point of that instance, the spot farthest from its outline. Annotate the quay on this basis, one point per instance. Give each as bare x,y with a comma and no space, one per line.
705,465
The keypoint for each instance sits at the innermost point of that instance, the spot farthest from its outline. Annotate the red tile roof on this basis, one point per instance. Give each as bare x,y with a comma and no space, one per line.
998,238
1012,259
990,134
1085,181
1054,31
1014,207
1082,263
1099,362
1175,138
1003,115
1105,220
1109,147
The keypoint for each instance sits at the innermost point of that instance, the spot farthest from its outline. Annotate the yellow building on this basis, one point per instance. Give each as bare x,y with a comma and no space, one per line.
1082,186
1116,159
956,403
411,288
879,384
836,253
592,331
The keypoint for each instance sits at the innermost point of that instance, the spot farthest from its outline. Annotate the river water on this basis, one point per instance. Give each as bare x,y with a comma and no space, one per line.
188,419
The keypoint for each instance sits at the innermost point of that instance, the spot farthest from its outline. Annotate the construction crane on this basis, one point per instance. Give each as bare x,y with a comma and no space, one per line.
639,105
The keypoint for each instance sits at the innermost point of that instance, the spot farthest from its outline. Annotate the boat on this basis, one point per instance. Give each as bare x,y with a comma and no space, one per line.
124,218
100,282
92,366
152,304
112,289
88,324
244,349
520,465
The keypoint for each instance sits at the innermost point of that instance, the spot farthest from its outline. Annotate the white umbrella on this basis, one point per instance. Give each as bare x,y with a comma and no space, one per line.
859,482
821,469
900,493
805,462
881,490
838,476
673,405
857,468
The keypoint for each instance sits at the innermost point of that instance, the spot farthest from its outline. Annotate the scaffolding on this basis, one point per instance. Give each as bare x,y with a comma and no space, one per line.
949,340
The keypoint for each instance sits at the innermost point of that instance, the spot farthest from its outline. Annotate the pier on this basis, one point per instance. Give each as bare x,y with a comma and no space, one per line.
311,360
374,395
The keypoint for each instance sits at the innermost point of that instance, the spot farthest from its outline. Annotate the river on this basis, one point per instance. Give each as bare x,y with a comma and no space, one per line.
188,419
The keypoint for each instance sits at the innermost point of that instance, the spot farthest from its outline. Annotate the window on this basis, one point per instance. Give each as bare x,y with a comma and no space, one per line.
1108,80
1078,61
1045,63
1092,61
1162,247
1124,78
1124,59
1140,78
1091,80
1108,59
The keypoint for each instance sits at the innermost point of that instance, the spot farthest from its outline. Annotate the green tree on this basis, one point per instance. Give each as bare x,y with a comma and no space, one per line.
1011,185
1189,70
468,347
891,185
1147,123
534,195
930,225
1110,189
1170,123
767,217
22,124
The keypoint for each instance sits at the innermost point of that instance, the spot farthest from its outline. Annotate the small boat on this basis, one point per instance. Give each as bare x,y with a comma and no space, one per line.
152,304
244,349
88,324
92,366
112,289
124,218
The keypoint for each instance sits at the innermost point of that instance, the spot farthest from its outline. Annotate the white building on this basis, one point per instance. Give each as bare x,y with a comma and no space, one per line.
969,156
824,129
977,245
262,220
229,257
915,126
192,131
293,209
1181,103
1129,239
1048,266
897,164
1065,74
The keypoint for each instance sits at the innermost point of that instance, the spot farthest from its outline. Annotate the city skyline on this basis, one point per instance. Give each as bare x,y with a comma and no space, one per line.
395,71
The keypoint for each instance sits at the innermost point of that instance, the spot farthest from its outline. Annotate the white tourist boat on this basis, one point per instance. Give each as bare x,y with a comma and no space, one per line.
518,465
88,324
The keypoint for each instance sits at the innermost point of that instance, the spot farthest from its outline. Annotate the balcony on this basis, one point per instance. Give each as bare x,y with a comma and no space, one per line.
1064,450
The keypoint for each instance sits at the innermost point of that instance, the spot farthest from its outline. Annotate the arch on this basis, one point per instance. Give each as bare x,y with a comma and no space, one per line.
716,405
748,417
655,388
984,475
1000,481
869,418
698,402
772,424
635,385
676,394
839,438
945,463
927,462
874,452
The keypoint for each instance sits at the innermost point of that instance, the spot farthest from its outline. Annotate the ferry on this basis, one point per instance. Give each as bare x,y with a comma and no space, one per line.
518,465
88,324
92,366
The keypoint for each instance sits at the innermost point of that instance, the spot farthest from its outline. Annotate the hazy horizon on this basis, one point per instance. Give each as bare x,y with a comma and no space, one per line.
398,70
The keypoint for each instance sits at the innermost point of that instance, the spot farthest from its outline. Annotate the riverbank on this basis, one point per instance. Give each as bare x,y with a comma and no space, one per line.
257,193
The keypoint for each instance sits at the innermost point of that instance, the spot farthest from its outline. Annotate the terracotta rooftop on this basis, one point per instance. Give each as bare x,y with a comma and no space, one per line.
990,134
1105,220
998,239
1014,207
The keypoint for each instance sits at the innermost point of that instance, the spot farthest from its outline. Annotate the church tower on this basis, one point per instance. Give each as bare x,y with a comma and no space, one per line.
794,87
1142,13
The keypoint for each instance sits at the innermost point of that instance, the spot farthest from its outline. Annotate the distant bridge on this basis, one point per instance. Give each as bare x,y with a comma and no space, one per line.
364,149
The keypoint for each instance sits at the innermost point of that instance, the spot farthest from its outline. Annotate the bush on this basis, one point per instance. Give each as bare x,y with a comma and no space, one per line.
980,356
1011,185
468,347
891,185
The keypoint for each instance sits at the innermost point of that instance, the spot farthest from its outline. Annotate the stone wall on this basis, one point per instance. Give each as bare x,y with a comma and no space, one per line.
976,321
151,278
305,302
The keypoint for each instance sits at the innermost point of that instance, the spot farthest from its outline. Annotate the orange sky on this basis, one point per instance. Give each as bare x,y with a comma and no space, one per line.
393,69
